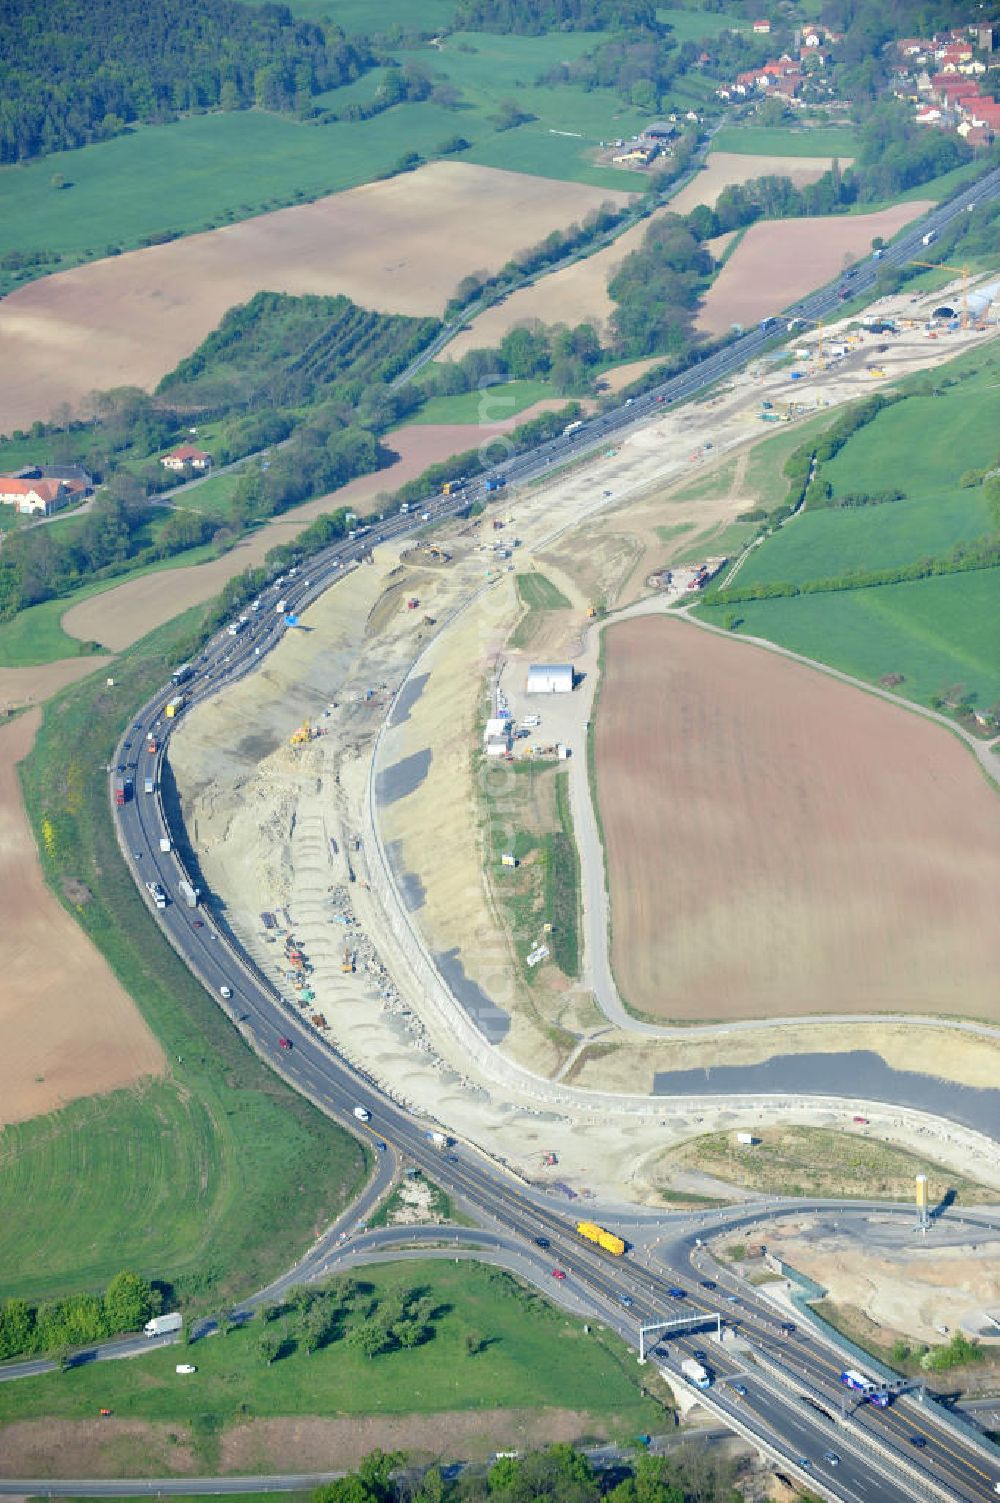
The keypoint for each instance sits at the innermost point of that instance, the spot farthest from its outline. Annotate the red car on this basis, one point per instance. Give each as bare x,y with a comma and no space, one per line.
557,1273
285,1043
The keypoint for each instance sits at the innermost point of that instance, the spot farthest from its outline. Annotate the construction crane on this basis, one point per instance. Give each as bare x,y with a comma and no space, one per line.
963,272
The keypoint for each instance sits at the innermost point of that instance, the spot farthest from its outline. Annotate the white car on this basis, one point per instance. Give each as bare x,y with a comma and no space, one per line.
225,991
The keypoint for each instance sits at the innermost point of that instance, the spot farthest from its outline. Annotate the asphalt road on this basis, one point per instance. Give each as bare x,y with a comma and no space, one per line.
876,1457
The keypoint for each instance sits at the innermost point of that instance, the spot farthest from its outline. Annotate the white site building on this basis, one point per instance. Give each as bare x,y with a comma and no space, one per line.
550,678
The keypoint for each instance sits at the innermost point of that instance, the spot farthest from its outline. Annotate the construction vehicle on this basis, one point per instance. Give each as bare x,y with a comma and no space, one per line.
591,612
302,735
412,603
696,1373
347,962
595,1233
175,706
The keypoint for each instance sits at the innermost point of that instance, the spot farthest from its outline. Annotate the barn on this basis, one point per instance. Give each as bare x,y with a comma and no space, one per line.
550,678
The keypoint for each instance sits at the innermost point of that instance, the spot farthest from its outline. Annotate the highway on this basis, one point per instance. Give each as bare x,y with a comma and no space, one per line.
792,1404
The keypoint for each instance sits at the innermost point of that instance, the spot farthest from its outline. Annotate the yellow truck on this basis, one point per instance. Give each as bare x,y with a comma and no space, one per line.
595,1233
175,706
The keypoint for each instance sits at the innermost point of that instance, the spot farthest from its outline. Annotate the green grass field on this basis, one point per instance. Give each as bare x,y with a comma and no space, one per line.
214,1179
35,636
489,406
937,512
193,175
211,497
692,25
533,1356
540,594
788,141
936,632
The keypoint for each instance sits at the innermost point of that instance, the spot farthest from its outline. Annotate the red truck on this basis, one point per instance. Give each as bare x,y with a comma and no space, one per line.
122,791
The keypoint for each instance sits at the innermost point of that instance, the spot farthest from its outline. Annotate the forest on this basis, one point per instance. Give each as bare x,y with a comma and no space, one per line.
75,71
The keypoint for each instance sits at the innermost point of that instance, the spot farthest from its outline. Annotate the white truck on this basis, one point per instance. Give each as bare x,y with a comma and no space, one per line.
438,1140
165,844
281,607
929,238
362,1114
164,1325
696,1373
188,893
157,894
235,627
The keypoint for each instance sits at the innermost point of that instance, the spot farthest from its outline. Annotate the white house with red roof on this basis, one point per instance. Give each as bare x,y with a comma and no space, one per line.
186,456
761,28
35,497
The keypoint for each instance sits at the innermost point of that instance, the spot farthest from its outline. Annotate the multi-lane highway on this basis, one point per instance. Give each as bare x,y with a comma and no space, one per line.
782,1389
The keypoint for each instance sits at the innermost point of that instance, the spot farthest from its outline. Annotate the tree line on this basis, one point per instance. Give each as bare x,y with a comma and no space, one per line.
74,74
558,1474
125,1305
533,17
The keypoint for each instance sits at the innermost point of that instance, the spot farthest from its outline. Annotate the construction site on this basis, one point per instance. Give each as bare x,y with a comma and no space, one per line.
337,797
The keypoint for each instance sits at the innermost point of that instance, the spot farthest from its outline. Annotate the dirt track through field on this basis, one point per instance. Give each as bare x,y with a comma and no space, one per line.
779,260
399,246
781,844
68,1028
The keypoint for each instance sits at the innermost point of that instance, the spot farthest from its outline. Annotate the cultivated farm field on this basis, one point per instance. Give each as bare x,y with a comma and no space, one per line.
579,293
69,1028
779,844
778,261
398,246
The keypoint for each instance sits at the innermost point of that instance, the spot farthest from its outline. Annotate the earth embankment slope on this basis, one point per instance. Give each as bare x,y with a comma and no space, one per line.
780,844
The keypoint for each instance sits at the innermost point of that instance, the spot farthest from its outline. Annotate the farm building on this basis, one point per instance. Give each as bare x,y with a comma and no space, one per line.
550,678
33,497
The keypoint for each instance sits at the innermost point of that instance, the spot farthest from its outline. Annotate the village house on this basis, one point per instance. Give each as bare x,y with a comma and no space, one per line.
40,490
761,28
186,456
33,497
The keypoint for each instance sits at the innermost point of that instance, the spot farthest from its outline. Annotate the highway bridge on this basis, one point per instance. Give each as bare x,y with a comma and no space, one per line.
781,1389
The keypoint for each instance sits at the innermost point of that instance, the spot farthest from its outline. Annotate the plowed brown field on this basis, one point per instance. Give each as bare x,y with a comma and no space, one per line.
780,260
399,246
68,1028
781,844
